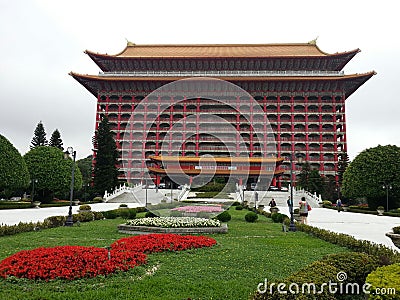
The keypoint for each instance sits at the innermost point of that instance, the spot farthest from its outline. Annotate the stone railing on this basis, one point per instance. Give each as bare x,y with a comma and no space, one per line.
221,73
313,199
183,194
121,190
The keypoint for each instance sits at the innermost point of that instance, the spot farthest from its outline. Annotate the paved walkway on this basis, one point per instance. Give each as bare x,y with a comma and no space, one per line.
361,226
14,216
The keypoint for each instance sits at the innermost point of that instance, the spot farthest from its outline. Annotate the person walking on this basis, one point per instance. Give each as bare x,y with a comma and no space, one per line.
272,203
304,208
339,205
290,204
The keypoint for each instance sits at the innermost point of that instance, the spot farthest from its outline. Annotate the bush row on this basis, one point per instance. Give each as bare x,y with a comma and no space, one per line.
57,221
49,222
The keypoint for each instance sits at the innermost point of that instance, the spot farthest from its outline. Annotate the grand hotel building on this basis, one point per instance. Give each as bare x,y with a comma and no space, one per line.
302,92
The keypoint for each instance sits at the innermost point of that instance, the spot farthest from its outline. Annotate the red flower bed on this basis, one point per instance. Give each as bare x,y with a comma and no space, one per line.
150,243
72,262
68,262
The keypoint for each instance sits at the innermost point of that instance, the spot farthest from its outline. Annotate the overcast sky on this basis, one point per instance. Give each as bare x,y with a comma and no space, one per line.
42,41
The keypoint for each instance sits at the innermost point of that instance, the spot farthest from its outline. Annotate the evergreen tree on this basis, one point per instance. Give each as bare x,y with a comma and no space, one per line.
105,171
304,176
39,138
310,180
368,173
14,174
55,140
52,171
342,166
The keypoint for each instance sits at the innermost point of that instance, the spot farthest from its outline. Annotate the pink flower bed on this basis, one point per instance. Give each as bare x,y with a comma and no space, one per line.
199,208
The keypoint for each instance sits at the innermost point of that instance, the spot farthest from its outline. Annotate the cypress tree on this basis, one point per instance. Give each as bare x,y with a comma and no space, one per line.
56,141
343,163
39,137
105,171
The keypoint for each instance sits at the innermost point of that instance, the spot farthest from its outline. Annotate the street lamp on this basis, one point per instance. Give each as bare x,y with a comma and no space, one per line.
33,189
387,187
146,192
292,227
69,151
171,190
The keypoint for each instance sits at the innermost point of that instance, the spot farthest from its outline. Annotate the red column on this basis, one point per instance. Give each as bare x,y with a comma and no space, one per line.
237,126
197,126
344,123
119,119
306,128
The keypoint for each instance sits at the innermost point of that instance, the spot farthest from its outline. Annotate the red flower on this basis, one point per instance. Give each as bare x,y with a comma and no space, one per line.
72,262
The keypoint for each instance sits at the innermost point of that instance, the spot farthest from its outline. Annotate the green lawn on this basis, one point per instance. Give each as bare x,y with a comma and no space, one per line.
232,269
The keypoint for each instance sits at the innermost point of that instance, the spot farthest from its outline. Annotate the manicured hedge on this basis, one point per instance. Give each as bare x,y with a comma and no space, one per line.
383,253
356,265
384,281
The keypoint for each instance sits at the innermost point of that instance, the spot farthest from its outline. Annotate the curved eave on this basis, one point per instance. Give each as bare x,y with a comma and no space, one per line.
217,159
98,60
215,172
86,81
351,83
342,58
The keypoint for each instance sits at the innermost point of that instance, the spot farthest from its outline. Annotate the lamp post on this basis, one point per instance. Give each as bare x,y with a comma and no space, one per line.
387,187
69,151
146,192
292,227
171,190
33,189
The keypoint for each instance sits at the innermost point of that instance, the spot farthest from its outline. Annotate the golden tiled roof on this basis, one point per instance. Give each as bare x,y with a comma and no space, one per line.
220,50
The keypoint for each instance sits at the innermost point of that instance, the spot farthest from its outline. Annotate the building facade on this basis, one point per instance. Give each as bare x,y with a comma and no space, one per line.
299,91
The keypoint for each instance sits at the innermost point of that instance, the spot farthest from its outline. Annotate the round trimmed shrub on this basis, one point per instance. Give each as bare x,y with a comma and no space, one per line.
56,221
224,216
85,207
98,215
239,207
149,214
278,217
126,213
357,265
386,277
110,214
251,217
84,216
97,199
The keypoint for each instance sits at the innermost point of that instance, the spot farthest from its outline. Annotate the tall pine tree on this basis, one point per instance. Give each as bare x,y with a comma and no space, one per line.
105,171
343,163
55,140
39,137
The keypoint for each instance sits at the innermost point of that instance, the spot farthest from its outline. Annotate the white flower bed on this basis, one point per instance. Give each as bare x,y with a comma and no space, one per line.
174,222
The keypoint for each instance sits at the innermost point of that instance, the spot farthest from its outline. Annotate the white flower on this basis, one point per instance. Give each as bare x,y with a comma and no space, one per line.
175,222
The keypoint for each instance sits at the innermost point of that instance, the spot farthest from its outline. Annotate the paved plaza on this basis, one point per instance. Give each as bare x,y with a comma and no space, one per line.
361,226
